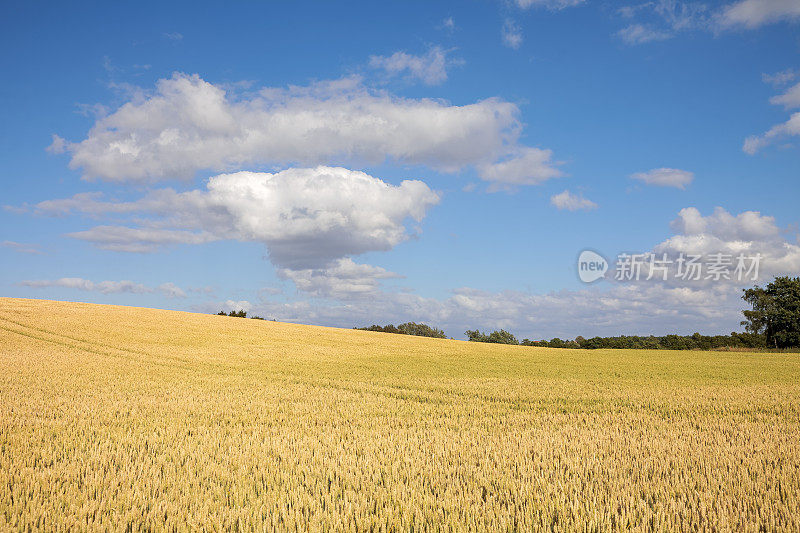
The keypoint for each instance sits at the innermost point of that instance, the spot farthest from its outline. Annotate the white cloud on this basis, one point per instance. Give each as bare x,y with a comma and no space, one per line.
791,127
746,226
640,34
511,34
680,16
238,305
572,202
22,247
665,177
789,99
344,279
652,307
449,24
170,290
126,239
780,78
756,13
104,287
548,4
59,145
620,309
188,125
747,233
661,19
307,217
430,68
528,166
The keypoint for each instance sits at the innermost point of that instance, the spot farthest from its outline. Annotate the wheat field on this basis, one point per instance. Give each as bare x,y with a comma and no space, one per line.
121,418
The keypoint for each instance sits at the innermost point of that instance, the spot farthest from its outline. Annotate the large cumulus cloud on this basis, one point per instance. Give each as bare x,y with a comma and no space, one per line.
306,217
188,125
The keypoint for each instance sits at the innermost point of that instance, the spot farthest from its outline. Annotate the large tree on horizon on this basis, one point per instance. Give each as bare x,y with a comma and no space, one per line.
775,312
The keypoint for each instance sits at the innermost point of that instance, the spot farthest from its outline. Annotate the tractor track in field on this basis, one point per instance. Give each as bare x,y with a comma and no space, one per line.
98,348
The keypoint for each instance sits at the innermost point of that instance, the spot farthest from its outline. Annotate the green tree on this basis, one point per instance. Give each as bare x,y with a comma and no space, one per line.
502,337
775,312
421,330
475,335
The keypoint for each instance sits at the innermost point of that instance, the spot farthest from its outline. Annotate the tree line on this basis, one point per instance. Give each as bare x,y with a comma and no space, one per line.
773,322
241,313
408,328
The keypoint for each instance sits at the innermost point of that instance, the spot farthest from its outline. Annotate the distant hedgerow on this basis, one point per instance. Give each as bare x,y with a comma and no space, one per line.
408,328
239,314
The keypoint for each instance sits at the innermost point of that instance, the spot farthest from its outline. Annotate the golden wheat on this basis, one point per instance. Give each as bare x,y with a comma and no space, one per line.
121,418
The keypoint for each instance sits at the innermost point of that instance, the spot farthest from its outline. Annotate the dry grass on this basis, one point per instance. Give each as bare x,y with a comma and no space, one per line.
116,417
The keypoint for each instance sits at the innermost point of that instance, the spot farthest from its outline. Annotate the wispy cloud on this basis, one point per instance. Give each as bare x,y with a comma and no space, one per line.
511,34
789,99
548,4
22,248
639,34
429,68
448,24
170,290
781,78
753,14
658,20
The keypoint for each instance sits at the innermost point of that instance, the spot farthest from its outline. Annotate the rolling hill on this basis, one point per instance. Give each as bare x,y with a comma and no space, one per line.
128,418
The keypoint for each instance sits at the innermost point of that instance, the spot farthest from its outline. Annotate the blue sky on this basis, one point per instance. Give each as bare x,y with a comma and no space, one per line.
384,162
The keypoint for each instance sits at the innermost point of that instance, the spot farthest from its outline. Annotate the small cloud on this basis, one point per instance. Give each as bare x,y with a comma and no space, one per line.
751,14
22,247
58,146
548,4
170,290
448,24
640,34
665,177
780,78
173,36
109,66
430,68
661,19
512,34
789,99
754,143
525,166
572,202
628,12
103,287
